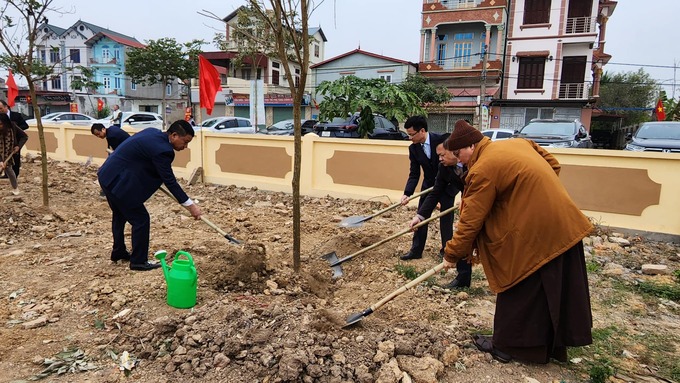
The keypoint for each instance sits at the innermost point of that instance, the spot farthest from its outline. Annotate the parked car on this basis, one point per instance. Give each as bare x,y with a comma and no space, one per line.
227,125
556,133
141,120
286,128
349,128
61,117
656,136
498,134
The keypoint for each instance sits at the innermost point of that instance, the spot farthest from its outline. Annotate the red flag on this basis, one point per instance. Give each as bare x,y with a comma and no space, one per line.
660,113
208,84
12,90
100,104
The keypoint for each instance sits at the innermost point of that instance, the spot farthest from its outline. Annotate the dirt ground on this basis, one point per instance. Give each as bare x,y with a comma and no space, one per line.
71,314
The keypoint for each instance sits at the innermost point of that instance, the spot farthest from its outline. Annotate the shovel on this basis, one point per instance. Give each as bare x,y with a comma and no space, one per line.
354,318
358,220
207,222
332,258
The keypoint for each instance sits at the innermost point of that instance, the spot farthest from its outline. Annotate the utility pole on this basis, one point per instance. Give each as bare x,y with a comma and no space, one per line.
482,88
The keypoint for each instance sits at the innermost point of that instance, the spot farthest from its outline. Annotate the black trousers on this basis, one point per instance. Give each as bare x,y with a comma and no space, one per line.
138,217
445,226
16,163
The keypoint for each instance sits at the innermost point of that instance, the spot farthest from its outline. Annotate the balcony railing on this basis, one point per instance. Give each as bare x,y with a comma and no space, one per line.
580,25
573,91
454,4
99,60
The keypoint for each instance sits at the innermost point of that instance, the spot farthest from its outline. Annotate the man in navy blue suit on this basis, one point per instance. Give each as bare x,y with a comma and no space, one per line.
114,134
422,155
132,174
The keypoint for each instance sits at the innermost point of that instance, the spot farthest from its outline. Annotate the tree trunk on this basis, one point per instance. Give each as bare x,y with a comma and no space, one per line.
41,138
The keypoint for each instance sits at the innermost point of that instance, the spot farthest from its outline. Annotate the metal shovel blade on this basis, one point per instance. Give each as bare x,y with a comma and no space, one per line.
354,221
332,258
357,317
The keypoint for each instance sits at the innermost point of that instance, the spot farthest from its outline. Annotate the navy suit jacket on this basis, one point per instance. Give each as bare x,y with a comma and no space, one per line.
115,136
429,166
139,166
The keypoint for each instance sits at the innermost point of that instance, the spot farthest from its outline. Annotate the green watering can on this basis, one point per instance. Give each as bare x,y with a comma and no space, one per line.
181,279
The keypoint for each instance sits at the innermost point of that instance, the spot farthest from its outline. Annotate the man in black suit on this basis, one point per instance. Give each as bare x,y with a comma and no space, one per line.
132,174
422,155
18,119
450,176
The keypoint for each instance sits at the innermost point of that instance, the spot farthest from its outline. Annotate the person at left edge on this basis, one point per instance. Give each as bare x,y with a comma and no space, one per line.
132,174
18,119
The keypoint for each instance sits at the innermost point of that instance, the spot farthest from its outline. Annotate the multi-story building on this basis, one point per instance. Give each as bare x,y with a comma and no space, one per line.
553,61
237,76
103,51
461,47
508,61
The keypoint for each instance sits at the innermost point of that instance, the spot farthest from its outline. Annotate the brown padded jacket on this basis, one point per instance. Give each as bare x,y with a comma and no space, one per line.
515,212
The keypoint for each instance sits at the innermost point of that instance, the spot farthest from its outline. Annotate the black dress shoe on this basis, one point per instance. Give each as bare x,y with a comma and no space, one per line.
122,257
144,266
457,284
409,256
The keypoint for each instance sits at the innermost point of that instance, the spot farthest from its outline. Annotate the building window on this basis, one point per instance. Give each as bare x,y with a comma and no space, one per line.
245,74
106,55
441,55
116,54
462,49
317,50
275,73
536,11
168,90
297,77
133,86
106,81
56,83
116,82
531,71
43,56
74,54
55,57
386,77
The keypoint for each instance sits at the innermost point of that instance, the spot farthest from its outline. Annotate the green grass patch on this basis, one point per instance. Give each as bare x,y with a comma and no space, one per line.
660,290
660,350
593,267
411,273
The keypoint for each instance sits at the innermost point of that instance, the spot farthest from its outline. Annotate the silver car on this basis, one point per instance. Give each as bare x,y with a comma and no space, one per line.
228,125
142,120
78,119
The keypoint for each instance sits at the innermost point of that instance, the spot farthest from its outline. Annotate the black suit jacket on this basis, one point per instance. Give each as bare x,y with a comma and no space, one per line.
447,180
18,119
429,166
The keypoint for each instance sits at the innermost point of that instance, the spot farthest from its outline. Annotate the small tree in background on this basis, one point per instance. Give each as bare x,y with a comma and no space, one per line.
351,94
163,61
432,96
626,91
19,22
86,81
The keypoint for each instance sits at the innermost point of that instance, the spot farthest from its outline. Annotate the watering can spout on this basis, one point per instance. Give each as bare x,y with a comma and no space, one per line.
160,255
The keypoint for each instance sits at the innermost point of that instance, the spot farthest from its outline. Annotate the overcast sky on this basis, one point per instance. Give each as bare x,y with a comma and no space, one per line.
639,33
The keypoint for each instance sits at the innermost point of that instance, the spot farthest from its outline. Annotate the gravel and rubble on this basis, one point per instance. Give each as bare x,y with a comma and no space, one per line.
256,319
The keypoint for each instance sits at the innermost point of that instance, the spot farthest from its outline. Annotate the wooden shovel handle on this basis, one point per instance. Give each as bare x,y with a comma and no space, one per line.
394,206
407,286
393,236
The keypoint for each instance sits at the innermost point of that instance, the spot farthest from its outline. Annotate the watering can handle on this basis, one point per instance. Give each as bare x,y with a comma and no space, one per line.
182,252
